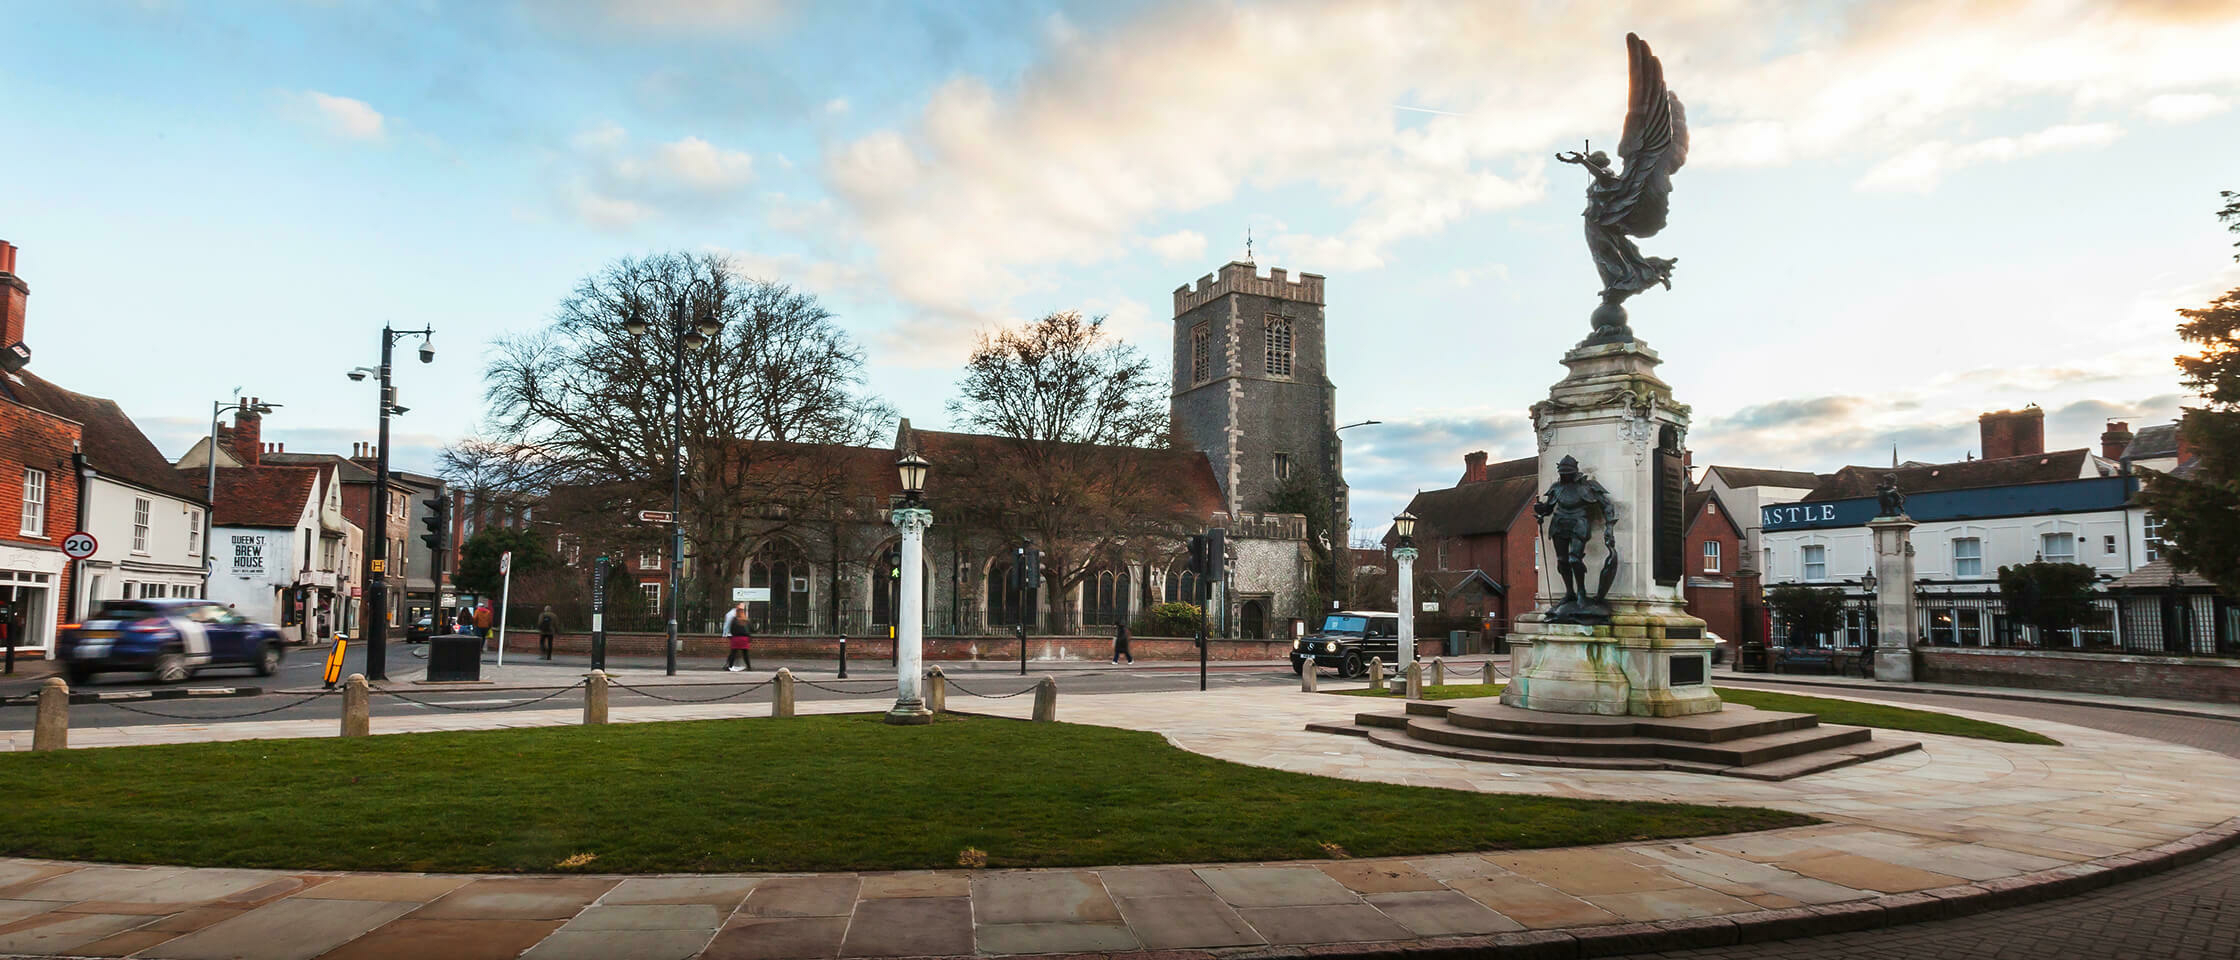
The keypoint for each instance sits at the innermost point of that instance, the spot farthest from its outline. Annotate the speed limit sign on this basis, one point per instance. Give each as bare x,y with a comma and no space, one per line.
80,545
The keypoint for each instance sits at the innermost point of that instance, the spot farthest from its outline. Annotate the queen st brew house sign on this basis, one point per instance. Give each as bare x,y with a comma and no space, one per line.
248,555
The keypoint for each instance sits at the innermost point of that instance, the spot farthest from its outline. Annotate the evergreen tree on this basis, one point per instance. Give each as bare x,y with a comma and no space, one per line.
2201,509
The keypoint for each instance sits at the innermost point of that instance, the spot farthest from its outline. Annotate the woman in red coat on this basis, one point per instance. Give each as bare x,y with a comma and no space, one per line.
742,640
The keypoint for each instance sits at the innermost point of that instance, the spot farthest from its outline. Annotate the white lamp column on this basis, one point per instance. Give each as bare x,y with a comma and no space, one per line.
1405,557
912,519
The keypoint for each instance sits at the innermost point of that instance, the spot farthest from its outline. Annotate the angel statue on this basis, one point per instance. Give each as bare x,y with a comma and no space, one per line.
1633,202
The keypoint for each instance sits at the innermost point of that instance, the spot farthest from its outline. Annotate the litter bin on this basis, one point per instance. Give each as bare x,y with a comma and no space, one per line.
454,658
1457,640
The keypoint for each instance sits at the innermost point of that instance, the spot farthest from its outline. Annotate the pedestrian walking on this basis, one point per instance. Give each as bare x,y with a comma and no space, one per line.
465,625
548,627
742,639
1120,645
483,619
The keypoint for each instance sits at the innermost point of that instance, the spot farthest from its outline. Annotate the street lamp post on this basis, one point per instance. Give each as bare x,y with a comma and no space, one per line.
682,336
210,491
377,506
1340,543
1405,557
912,519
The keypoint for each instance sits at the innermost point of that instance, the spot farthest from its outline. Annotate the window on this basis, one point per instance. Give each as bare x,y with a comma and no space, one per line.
1283,466
1815,558
649,561
396,504
140,507
1201,354
652,593
1711,556
786,574
2152,526
1768,569
2109,544
34,503
194,533
1967,557
1105,597
2058,547
1277,343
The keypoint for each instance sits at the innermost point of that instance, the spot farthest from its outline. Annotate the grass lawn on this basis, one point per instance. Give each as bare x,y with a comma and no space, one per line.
808,793
1846,712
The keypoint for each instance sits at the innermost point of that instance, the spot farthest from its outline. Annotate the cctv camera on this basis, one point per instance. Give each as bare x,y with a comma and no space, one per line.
400,410
427,353
357,375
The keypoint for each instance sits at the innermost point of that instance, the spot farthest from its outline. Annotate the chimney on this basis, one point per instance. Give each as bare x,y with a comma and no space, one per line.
248,430
2185,445
2116,440
1474,467
14,294
2013,433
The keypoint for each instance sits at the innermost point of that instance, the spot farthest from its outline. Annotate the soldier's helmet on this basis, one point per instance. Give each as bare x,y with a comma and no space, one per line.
1567,467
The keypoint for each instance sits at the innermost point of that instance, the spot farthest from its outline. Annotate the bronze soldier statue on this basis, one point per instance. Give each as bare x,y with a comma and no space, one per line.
1889,502
1569,525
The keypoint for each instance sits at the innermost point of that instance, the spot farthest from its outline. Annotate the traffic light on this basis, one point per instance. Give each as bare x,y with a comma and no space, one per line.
1030,568
1198,554
438,522
1217,551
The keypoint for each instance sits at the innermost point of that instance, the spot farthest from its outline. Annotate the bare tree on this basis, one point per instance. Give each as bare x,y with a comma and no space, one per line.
582,409
1079,459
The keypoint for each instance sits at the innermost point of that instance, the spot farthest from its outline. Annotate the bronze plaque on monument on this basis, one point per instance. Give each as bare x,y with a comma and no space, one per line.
1671,527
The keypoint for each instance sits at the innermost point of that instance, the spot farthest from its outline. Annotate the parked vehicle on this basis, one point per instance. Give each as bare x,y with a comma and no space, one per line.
171,639
1347,641
418,631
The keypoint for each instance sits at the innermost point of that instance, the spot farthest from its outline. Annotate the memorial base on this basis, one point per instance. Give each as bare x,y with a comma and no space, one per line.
1632,666
1893,665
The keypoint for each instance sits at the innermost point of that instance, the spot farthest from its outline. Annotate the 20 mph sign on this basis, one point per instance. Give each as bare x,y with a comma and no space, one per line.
80,545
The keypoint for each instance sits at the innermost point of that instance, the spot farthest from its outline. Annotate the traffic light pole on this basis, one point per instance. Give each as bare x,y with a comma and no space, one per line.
1019,573
377,509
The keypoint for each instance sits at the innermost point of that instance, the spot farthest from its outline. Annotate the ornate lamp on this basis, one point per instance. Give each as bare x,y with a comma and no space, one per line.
1869,580
635,324
1405,526
913,470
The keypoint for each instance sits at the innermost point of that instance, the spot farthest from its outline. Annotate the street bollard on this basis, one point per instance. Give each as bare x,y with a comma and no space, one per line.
1046,700
843,659
357,707
1376,673
1307,675
1414,686
51,731
937,690
1489,671
1438,672
595,697
781,700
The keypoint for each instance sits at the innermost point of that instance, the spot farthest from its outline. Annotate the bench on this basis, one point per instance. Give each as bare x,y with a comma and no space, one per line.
1816,659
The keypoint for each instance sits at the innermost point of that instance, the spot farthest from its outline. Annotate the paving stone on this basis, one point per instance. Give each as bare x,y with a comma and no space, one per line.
1275,886
650,916
396,887
611,944
1170,923
188,921
1054,938
1380,876
446,939
124,944
725,892
197,886
1322,923
518,899
272,890
286,930
53,933
1533,904
14,910
833,896
778,938
1675,904
16,873
138,908
910,927
94,883
1037,897
1585,872
1441,913
1866,873
1145,882
922,883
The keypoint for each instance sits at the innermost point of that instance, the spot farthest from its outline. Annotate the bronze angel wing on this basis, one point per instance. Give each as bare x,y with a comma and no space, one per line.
1655,145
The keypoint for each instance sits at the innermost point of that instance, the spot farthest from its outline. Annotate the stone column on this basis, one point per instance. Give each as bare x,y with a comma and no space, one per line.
1412,683
357,707
909,635
51,730
1308,674
781,697
1376,671
1405,557
937,691
595,697
1046,700
1438,671
1894,613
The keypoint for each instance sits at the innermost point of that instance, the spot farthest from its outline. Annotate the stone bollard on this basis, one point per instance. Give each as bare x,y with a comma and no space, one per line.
1376,672
1415,681
1307,677
781,702
357,707
595,697
51,731
1046,700
1488,671
937,690
1438,672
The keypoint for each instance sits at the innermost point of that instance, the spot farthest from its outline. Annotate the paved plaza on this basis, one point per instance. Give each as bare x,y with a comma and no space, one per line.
1953,829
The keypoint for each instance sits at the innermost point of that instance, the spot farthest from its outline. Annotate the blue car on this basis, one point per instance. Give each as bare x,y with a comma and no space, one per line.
168,638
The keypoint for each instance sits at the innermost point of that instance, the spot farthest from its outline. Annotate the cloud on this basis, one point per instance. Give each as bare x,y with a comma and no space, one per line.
607,183
1179,245
2184,107
1387,463
1921,167
344,117
666,16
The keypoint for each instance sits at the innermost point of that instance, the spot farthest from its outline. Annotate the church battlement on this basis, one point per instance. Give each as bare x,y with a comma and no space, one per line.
1237,277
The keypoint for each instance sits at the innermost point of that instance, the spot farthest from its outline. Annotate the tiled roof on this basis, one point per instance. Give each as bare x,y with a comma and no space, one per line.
2160,440
2159,573
1851,482
265,496
1450,581
347,469
1187,473
1472,508
1739,477
112,443
1694,509
1520,467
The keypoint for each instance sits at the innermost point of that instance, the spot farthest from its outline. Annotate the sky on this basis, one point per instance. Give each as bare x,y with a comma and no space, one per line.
1894,216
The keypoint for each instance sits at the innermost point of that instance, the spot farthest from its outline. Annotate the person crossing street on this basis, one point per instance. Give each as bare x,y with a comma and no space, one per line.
742,639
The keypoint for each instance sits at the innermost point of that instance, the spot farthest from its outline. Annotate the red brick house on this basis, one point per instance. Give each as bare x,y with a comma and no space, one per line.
1475,540
1714,551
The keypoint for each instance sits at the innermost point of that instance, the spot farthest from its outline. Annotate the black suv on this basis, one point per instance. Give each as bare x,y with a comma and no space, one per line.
1347,640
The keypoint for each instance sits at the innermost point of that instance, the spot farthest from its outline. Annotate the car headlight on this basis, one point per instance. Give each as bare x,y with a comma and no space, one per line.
1330,647
1294,644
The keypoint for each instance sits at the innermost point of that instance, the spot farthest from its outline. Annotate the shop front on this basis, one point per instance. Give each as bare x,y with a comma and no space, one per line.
30,583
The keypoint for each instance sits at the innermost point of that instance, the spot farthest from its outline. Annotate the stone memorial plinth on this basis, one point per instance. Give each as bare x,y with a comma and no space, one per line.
1894,612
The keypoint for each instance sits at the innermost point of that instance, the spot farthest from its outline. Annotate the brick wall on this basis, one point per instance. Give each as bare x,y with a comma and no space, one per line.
37,440
2174,678
991,648
1720,607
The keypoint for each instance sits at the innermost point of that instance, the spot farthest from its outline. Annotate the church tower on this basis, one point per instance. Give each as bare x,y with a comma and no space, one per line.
1251,388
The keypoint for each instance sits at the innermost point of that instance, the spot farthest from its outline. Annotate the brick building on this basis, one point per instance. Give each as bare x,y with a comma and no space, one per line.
1714,552
1476,539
